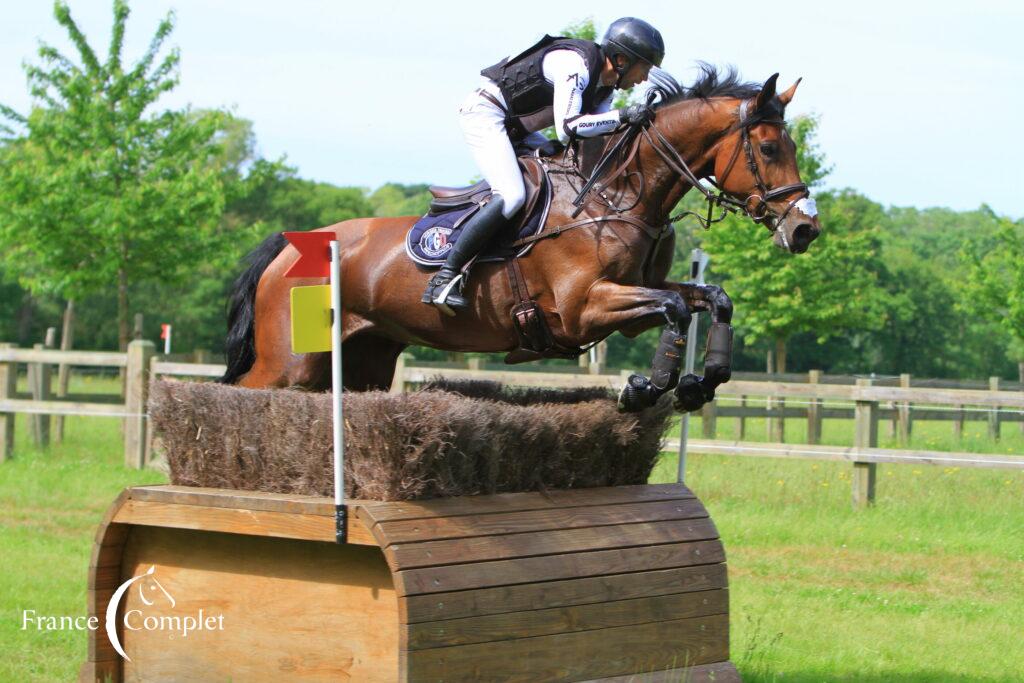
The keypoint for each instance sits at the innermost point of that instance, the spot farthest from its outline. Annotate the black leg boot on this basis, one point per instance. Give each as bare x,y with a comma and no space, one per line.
445,289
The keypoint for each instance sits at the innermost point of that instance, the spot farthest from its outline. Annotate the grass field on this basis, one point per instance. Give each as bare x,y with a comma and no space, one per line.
926,586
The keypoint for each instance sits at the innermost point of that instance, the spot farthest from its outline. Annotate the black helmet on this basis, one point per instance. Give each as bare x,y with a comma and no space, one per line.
635,39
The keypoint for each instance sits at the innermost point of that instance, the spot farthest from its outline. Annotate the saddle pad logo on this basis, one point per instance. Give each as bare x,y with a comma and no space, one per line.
434,242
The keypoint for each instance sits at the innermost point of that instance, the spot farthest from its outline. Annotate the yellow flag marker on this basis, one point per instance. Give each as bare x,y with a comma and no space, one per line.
311,319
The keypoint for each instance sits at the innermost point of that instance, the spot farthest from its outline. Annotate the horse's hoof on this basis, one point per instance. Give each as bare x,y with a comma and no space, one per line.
636,395
690,395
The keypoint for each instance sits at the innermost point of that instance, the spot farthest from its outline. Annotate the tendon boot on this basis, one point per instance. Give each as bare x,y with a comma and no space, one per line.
445,289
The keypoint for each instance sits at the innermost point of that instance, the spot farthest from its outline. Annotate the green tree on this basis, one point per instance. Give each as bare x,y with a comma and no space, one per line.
96,188
830,291
994,285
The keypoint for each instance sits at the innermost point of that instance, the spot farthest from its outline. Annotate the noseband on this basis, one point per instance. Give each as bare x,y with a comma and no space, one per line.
756,204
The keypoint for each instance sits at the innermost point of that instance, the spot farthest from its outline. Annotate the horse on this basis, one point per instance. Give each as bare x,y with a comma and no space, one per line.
590,277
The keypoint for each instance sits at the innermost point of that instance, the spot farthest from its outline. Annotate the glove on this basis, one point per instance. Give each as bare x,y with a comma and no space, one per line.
636,113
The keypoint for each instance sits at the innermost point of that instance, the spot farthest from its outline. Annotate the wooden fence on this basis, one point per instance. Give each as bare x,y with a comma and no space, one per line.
815,399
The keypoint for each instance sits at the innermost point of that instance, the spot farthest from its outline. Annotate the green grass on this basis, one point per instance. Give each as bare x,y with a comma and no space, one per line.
50,504
926,586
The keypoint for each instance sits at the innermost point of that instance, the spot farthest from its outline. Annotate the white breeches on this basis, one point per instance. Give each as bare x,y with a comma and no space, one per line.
483,125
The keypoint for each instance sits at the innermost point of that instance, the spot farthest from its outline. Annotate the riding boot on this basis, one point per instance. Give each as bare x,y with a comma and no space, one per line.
445,289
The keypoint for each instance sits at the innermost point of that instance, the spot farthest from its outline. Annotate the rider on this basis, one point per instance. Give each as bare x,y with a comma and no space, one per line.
564,82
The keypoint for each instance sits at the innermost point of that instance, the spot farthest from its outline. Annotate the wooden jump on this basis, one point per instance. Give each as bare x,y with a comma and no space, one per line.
608,584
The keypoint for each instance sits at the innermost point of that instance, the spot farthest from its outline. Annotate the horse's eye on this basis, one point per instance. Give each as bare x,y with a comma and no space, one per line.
768,149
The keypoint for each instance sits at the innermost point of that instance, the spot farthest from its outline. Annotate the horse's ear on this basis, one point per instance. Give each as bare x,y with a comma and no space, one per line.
767,92
787,96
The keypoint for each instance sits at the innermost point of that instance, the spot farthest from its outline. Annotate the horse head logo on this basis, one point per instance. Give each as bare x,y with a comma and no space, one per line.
147,583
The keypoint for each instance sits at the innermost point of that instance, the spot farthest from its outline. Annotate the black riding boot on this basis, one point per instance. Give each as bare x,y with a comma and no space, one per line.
445,289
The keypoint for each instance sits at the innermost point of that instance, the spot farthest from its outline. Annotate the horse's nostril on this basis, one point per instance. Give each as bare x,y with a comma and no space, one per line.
804,233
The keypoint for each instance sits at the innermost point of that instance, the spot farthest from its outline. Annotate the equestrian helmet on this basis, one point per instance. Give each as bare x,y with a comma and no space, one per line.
636,40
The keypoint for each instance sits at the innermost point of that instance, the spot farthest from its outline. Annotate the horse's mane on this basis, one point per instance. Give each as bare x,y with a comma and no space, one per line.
712,83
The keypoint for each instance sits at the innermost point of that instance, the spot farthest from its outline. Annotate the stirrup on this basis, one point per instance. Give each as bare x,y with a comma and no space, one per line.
439,298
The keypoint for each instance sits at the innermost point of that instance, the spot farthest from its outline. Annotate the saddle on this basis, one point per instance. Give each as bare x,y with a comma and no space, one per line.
432,236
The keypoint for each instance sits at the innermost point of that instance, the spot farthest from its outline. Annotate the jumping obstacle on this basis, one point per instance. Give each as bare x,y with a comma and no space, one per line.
625,583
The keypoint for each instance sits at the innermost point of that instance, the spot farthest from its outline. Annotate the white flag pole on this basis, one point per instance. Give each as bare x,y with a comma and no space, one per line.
340,512
698,262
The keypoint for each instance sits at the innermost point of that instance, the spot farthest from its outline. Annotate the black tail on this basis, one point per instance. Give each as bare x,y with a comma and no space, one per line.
240,347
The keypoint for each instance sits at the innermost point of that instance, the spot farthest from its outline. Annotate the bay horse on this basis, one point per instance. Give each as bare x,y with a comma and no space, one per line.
605,272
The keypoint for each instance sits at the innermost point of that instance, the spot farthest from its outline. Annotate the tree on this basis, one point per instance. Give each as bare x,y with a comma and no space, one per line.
97,189
994,286
831,289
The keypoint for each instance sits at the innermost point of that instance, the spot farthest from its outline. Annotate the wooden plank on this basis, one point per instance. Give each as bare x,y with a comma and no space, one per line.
188,369
571,656
292,610
241,500
554,567
516,502
849,454
483,548
21,405
420,375
719,672
102,359
465,526
240,521
540,622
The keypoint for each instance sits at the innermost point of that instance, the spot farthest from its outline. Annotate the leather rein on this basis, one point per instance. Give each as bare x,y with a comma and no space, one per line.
755,206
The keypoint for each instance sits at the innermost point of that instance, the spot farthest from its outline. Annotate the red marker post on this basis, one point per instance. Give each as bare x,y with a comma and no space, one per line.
319,256
165,334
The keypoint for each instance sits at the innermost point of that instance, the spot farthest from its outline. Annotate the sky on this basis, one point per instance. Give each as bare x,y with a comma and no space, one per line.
920,103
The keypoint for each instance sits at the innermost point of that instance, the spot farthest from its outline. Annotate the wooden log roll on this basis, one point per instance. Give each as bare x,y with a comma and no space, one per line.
605,584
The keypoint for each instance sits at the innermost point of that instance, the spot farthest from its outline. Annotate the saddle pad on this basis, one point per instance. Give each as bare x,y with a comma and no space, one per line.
432,236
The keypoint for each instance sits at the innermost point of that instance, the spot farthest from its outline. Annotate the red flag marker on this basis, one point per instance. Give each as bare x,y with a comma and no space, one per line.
314,253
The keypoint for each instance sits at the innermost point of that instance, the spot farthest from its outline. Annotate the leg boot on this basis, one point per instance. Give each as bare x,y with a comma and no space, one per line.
445,289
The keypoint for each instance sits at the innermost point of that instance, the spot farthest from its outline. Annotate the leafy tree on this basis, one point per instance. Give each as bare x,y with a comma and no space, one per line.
96,188
994,286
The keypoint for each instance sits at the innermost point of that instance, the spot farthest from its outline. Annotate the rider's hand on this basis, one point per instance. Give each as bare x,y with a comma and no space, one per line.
636,113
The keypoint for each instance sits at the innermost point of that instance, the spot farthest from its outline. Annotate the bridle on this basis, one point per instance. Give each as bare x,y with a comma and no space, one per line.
756,204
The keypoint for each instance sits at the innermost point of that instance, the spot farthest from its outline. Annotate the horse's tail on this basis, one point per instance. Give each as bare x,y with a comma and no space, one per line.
240,347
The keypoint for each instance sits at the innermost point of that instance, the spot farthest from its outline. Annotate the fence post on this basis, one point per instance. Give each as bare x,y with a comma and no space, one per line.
814,411
1020,376
136,390
741,421
8,388
905,426
398,381
40,375
865,435
64,370
709,419
958,422
993,416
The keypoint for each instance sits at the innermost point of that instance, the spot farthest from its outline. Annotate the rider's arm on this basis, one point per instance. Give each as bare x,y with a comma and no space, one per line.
568,73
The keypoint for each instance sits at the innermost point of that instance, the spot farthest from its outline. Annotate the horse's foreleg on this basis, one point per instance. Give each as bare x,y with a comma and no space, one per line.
694,391
612,307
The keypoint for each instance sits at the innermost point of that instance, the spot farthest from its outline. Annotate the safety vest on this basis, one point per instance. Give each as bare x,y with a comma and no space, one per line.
529,96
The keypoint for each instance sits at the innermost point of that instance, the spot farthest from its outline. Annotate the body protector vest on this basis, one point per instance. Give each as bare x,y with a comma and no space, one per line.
529,97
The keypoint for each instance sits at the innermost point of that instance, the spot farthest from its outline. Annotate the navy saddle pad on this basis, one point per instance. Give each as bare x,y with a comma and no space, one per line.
432,236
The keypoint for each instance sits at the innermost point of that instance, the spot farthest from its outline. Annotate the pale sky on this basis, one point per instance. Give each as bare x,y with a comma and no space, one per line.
920,102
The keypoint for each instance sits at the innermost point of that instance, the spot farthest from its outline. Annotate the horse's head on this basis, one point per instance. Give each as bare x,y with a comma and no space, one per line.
756,164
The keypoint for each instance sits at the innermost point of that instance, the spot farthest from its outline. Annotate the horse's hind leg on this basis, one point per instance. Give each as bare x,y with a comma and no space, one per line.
368,362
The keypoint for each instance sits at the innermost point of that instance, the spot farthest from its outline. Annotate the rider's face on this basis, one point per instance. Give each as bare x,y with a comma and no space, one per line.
636,74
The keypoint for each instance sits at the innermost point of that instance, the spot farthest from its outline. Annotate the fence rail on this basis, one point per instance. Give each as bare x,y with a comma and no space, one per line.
819,397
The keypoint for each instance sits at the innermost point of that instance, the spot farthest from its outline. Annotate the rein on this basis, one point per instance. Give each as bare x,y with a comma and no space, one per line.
754,207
